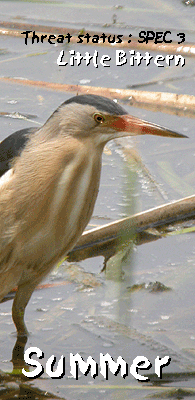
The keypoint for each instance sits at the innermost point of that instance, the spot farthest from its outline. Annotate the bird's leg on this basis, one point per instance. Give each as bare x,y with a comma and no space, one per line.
18,353
21,300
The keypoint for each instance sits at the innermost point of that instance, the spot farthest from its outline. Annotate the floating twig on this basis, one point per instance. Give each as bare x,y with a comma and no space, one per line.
182,102
16,28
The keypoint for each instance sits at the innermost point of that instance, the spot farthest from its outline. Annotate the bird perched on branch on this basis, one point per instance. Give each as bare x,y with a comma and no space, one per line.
48,192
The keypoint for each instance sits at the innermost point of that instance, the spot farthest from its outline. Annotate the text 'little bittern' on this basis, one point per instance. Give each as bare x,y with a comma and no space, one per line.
48,193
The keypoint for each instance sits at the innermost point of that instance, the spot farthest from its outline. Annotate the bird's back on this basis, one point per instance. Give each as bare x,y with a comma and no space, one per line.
12,146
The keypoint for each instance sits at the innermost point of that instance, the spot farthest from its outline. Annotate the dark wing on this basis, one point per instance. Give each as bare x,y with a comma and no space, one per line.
12,146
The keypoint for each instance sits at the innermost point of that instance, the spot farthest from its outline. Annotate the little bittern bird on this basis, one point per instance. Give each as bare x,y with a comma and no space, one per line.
48,192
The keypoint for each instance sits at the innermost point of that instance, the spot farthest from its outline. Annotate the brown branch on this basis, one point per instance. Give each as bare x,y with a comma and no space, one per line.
135,97
116,232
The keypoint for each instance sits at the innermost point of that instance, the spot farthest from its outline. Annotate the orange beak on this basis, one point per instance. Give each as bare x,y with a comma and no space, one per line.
136,126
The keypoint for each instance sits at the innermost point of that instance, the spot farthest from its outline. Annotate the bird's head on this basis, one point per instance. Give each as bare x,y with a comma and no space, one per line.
101,119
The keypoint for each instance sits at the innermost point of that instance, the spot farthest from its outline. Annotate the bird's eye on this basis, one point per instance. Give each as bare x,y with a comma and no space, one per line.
99,118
